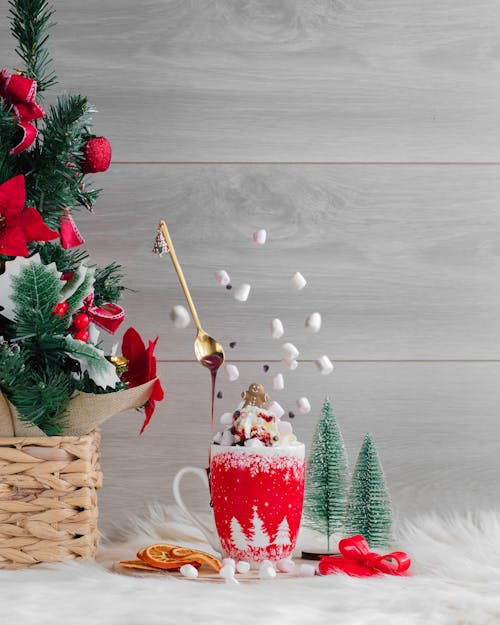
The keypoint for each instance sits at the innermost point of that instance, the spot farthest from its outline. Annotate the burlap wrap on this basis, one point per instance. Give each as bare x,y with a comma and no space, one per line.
86,411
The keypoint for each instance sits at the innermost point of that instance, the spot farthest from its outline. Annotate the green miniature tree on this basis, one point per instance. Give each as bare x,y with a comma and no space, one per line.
327,480
369,509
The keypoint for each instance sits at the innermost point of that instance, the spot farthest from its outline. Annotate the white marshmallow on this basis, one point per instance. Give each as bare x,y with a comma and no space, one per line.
217,439
180,317
313,322
278,382
285,566
285,427
288,440
232,580
298,281
303,405
188,570
277,329
290,364
325,365
231,372
242,566
307,570
227,438
267,572
227,571
253,442
290,351
242,292
230,562
259,237
222,277
226,418
274,408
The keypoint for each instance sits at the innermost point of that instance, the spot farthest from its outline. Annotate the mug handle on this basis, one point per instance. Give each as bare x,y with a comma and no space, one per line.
208,532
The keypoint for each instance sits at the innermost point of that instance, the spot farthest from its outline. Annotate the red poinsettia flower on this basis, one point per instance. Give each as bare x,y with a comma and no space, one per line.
141,368
19,225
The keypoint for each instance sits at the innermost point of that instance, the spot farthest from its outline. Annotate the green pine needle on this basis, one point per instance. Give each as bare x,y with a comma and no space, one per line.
108,286
30,22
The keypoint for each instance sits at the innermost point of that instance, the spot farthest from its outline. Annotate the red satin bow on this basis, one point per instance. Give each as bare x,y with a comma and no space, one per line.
20,93
108,316
357,560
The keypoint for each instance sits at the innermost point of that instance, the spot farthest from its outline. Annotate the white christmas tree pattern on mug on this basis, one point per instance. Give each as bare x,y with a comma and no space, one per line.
257,537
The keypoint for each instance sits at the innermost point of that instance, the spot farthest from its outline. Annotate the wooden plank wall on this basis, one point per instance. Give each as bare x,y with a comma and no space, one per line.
365,137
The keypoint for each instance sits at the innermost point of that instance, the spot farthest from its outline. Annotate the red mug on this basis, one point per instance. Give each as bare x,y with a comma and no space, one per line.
257,496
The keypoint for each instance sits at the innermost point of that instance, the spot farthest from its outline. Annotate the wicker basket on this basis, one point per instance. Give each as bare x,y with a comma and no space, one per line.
48,499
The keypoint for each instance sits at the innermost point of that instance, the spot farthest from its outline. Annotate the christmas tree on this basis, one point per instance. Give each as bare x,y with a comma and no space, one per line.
369,510
52,298
260,538
237,535
283,533
327,478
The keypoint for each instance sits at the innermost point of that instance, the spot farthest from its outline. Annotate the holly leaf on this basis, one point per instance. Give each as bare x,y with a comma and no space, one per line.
13,269
93,361
78,287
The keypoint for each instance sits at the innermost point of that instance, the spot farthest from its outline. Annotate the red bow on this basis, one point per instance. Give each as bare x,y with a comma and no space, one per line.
20,93
68,231
357,560
108,316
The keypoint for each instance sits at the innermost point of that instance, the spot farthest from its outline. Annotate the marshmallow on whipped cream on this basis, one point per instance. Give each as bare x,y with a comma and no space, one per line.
257,423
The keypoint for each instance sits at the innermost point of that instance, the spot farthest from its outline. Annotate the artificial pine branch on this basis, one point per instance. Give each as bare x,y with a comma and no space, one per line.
8,131
67,261
55,182
107,284
30,23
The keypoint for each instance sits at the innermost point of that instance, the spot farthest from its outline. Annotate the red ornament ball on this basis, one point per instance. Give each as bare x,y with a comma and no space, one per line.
81,321
82,335
97,155
61,309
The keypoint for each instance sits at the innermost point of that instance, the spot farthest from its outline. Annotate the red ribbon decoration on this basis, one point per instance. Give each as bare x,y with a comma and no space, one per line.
109,317
68,231
357,560
20,93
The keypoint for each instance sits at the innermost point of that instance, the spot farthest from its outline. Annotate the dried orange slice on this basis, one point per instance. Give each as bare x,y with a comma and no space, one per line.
172,556
137,564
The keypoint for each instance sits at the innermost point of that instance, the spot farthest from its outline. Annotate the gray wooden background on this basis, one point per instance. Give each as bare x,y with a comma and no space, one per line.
365,137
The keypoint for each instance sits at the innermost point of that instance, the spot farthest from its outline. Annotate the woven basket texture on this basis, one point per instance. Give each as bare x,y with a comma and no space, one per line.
48,499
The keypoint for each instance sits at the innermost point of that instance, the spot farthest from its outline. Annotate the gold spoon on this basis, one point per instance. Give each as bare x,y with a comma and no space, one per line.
207,350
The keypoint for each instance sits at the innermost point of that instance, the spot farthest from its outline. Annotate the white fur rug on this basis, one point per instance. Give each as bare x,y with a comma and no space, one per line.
456,581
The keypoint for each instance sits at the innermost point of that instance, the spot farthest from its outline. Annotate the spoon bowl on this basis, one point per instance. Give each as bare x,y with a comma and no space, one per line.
208,351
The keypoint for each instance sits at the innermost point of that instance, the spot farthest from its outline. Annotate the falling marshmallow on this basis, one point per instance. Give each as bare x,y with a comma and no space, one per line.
227,438
227,571
180,317
229,561
231,372
325,365
290,363
285,566
313,322
242,292
227,418
222,277
303,405
188,570
277,329
259,237
307,570
278,382
285,427
290,351
298,281
243,567
274,408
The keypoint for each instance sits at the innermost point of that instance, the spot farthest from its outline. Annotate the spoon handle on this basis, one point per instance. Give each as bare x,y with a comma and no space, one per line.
164,230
